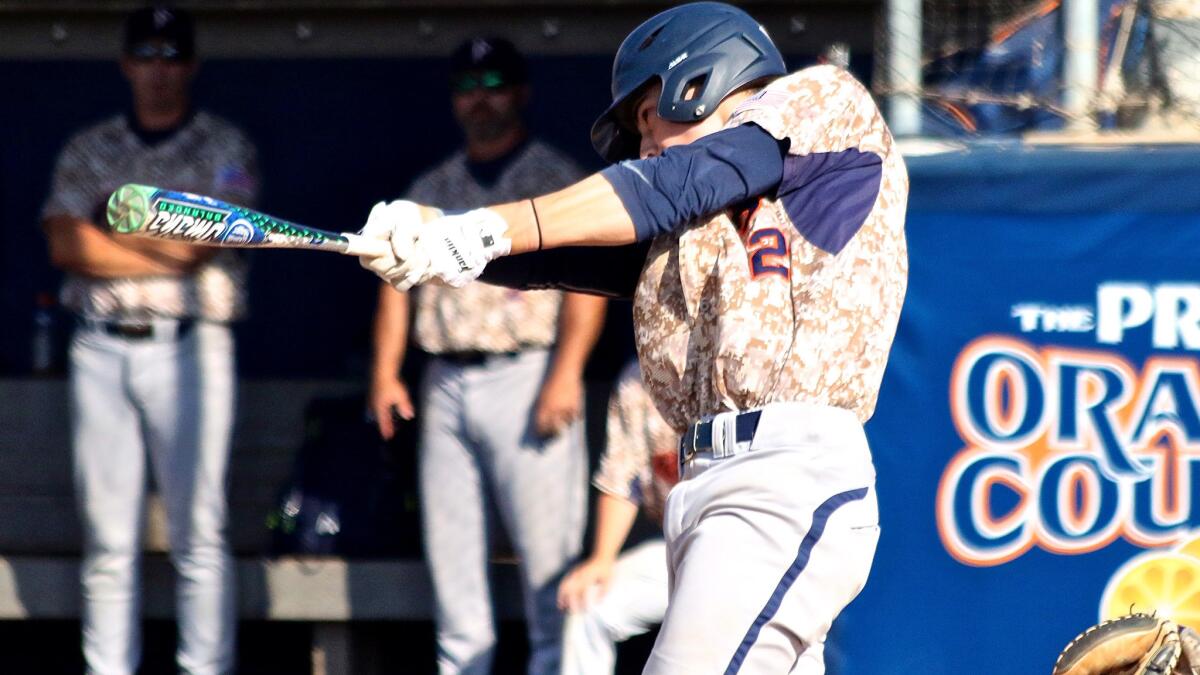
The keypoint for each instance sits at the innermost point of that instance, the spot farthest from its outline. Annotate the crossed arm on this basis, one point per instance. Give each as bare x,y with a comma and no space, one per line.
78,246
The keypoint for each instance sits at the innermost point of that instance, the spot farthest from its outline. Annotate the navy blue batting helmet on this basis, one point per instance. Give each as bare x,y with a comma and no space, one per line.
712,46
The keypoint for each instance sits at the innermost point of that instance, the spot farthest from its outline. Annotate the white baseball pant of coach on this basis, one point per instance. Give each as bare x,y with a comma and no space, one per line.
767,544
478,444
175,399
635,602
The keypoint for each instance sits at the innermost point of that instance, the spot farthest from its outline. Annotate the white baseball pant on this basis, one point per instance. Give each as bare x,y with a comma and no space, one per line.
635,602
767,546
172,399
478,447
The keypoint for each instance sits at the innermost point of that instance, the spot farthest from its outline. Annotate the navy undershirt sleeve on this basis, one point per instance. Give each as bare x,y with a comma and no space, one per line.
693,181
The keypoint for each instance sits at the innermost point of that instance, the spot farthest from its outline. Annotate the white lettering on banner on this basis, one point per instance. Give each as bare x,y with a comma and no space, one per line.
1174,310
1171,311
1069,449
1051,319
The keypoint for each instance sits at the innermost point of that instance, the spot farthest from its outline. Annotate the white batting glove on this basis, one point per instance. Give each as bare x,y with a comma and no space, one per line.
394,222
456,247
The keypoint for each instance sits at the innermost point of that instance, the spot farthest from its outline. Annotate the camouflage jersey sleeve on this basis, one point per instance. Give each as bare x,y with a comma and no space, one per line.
818,109
838,149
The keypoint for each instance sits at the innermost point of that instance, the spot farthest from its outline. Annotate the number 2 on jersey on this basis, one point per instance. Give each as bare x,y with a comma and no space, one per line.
768,253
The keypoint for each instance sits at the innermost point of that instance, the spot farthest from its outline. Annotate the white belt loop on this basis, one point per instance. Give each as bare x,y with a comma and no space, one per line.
724,434
716,435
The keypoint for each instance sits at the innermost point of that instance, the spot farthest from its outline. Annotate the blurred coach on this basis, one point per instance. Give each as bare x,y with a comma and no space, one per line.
503,393
151,360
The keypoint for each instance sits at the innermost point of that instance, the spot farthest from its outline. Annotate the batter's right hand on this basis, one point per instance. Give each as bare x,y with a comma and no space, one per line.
585,584
388,397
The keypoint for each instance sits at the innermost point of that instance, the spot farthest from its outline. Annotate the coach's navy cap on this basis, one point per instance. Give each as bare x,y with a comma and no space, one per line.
487,62
160,32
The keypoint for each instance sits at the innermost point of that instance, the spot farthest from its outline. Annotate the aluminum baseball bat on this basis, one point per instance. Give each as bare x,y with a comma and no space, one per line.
147,211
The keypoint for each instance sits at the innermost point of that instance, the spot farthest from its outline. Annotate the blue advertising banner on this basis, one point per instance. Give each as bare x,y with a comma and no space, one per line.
1037,437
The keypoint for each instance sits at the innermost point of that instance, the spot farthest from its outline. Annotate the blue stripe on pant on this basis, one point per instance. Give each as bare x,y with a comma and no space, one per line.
820,518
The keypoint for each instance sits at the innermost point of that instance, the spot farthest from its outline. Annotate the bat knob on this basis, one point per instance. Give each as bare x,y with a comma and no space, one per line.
127,208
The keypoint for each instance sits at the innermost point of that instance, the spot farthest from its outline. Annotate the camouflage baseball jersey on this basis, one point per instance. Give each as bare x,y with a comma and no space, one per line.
481,317
207,156
641,461
795,297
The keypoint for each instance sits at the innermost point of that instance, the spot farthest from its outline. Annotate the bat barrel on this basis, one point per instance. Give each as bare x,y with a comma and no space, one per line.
149,211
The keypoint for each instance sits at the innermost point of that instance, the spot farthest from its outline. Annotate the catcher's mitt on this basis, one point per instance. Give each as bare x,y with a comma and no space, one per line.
1136,644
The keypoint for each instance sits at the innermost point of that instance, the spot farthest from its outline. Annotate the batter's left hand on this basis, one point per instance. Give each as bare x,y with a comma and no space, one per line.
559,404
459,246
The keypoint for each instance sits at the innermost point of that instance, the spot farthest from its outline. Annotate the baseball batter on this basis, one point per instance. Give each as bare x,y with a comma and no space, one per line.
609,597
766,302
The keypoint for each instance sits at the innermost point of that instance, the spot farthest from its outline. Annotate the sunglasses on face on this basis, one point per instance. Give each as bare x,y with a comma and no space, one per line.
488,79
149,51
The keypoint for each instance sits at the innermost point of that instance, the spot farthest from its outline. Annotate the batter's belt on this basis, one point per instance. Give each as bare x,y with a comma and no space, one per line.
706,436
